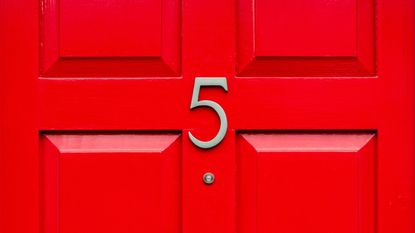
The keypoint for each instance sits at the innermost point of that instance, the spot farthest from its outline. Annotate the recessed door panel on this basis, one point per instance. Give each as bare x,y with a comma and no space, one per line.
90,28
306,183
314,28
306,38
110,183
110,38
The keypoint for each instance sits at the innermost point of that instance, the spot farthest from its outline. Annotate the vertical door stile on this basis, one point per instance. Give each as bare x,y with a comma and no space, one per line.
208,51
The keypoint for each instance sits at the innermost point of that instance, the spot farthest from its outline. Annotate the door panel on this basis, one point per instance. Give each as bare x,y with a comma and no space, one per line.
113,38
110,183
306,38
302,28
306,183
89,28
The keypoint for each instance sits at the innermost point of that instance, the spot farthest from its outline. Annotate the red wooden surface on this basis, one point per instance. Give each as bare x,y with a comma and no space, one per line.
87,183
325,181
308,74
322,38
112,38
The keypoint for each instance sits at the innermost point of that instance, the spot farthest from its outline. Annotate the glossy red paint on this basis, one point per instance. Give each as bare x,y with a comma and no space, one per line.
90,181
95,114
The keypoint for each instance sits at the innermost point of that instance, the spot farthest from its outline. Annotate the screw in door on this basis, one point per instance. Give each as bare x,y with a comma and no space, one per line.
208,178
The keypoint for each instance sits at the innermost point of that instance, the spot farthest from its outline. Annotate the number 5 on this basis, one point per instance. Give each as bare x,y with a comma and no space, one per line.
200,82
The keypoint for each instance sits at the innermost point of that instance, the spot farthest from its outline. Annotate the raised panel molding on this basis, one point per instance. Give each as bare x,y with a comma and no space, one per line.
285,179
110,183
306,38
110,39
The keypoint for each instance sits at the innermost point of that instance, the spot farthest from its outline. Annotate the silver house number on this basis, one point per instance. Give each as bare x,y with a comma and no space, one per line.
201,82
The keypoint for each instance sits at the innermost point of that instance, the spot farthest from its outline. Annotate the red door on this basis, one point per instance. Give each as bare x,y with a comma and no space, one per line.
189,116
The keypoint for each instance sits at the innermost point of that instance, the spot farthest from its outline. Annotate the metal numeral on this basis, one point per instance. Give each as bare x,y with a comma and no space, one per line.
200,82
